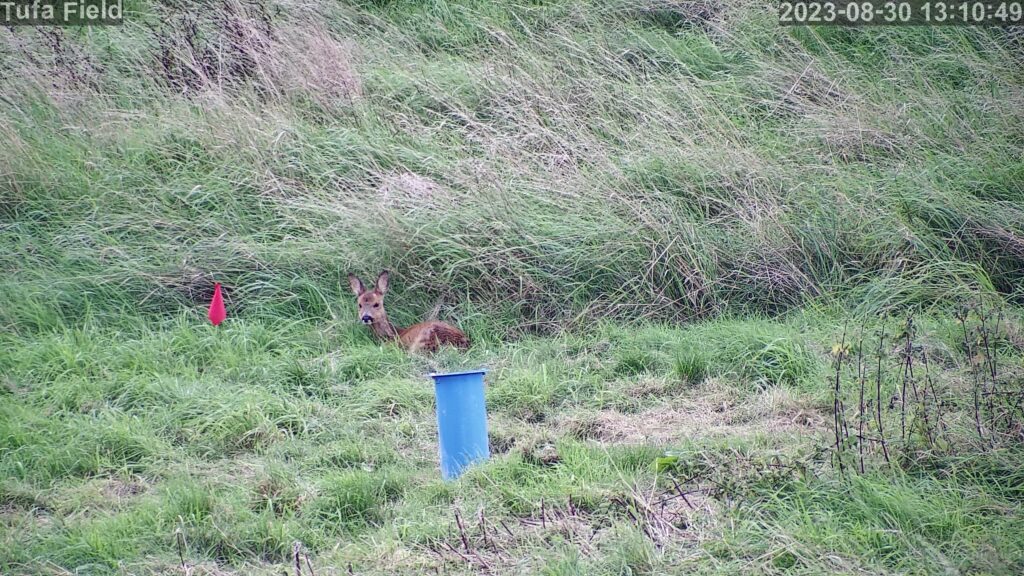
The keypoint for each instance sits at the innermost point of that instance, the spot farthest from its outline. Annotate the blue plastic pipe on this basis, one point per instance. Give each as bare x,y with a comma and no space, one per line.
461,421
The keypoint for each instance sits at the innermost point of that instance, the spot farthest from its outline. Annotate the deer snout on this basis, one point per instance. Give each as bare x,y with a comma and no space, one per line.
367,319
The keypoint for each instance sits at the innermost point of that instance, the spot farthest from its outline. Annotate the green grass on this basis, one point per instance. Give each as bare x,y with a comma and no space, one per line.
901,525
103,465
654,221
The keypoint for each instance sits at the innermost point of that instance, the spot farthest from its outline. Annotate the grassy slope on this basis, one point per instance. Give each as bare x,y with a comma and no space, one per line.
522,169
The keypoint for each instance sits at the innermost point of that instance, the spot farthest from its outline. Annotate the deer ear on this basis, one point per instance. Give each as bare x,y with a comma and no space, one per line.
382,282
356,284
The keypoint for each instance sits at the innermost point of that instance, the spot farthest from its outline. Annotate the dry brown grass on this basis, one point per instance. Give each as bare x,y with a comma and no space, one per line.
712,410
308,61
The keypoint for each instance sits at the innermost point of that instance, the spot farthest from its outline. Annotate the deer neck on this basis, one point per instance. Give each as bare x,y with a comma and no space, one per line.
384,329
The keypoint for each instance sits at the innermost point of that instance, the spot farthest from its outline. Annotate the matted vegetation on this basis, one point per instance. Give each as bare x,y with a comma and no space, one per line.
653,219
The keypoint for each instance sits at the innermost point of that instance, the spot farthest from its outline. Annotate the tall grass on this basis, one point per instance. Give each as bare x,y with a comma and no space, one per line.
541,163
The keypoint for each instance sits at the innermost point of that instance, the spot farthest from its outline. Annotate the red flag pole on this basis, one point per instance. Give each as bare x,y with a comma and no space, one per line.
217,313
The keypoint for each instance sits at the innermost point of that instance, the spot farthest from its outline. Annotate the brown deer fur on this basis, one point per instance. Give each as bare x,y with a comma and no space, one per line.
426,336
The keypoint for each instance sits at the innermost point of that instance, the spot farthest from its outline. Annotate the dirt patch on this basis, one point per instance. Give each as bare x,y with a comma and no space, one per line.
408,190
706,413
118,490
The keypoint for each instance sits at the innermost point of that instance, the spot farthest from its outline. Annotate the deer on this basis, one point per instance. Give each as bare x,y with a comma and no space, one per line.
426,336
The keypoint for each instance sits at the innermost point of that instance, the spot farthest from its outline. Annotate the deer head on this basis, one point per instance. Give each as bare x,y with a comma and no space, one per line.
370,302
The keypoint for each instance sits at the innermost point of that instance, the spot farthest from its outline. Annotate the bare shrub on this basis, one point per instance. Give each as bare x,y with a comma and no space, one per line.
226,48
242,45
45,60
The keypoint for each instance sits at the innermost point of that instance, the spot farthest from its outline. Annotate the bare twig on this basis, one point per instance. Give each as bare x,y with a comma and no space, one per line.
987,368
179,537
462,531
963,317
457,553
507,530
860,408
930,383
682,494
483,527
878,396
903,395
836,403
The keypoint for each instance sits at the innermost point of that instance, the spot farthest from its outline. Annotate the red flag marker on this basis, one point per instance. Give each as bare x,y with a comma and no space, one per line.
217,312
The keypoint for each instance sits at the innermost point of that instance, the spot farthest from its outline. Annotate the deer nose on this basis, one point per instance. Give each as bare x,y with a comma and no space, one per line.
367,319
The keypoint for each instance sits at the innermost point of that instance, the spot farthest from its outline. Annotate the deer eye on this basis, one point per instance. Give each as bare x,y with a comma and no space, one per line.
377,305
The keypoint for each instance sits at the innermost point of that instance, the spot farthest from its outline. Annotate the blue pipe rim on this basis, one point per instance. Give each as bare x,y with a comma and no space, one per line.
466,373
